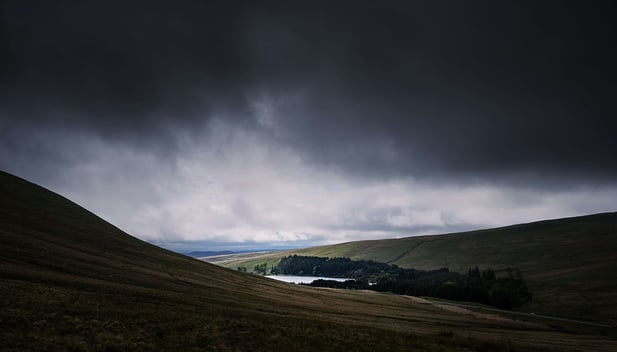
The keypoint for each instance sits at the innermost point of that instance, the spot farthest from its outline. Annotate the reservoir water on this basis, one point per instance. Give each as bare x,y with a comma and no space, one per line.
304,279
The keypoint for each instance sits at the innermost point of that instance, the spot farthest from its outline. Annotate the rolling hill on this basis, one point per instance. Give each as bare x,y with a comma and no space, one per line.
70,281
570,264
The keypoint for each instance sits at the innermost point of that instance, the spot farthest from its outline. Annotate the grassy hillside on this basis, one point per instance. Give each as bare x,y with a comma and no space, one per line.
69,281
570,264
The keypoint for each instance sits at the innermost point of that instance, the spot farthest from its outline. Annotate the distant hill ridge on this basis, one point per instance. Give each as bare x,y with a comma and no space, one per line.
197,254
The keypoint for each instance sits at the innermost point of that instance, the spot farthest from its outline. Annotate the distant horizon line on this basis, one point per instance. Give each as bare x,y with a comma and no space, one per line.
204,246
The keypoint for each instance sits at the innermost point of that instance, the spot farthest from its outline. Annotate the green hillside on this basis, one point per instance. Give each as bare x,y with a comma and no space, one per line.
69,281
570,264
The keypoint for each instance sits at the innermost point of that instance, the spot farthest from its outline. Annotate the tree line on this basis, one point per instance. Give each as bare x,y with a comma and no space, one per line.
482,286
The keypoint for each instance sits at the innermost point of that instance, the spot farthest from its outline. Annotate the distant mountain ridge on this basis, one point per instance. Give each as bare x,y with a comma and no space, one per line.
202,254
198,254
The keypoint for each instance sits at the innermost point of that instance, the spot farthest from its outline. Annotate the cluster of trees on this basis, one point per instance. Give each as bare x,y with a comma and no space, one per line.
359,270
261,268
504,292
482,286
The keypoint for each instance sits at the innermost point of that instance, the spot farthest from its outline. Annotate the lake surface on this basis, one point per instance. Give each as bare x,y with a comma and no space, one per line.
304,279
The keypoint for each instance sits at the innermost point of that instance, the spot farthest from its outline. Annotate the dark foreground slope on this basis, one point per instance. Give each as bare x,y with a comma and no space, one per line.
570,264
71,281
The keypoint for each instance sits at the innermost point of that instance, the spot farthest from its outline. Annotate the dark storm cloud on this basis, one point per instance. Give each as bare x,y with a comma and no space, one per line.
480,89
116,67
476,89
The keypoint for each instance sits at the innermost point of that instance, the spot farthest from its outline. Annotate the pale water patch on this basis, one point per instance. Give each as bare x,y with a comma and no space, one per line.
304,279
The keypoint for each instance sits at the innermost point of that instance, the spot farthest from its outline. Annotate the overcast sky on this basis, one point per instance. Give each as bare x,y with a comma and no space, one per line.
236,125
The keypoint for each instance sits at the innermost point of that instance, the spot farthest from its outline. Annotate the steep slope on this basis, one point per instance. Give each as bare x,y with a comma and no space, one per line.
71,281
570,263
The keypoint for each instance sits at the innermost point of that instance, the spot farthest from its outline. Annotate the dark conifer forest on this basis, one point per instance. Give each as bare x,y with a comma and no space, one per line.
506,291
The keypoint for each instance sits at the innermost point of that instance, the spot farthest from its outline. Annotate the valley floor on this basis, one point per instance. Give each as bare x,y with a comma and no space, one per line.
43,317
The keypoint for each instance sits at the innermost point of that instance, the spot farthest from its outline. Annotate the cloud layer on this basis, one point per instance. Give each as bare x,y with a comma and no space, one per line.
312,122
